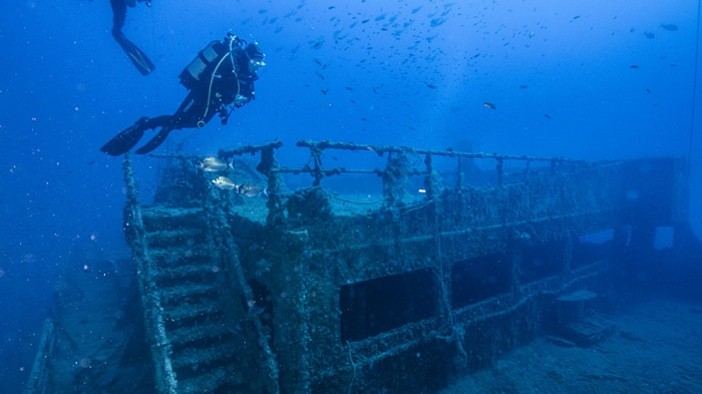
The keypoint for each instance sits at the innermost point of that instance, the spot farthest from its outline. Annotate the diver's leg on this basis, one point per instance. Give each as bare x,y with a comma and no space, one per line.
155,142
119,14
136,55
188,115
127,138
193,111
167,124
158,121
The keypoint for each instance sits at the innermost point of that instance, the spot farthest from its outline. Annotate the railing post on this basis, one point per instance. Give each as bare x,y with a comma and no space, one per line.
316,153
459,173
393,176
500,171
269,167
428,178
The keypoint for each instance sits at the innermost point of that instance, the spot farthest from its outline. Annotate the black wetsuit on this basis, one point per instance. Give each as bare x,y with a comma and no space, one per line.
231,83
194,111
136,55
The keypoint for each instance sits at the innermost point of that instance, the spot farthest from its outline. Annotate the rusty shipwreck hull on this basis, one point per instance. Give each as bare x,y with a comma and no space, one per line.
312,290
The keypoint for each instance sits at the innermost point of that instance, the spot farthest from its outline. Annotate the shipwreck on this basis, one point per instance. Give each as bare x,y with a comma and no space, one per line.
398,277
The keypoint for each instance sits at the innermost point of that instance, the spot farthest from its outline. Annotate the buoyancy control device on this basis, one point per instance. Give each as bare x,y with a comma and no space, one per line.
203,64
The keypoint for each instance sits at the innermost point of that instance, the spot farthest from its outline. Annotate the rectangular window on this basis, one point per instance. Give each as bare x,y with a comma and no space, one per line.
592,247
542,261
478,279
371,307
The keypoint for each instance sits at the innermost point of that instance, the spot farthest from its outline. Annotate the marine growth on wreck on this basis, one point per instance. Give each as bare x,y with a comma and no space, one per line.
444,262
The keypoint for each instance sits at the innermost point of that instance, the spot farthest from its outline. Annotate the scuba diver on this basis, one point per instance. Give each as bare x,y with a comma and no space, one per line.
119,13
219,80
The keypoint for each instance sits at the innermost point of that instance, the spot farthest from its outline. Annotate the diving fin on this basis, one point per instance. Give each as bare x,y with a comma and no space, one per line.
125,140
137,56
154,142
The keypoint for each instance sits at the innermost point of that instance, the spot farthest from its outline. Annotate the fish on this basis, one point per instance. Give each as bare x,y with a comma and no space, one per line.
489,105
251,190
213,164
224,183
669,26
246,189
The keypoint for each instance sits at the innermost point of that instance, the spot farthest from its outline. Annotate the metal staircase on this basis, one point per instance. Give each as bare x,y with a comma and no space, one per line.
194,297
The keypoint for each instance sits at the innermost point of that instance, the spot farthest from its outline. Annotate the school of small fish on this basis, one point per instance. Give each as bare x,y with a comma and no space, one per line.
413,28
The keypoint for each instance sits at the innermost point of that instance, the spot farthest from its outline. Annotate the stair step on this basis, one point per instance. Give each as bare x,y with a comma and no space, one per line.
163,211
163,217
165,238
192,291
177,256
215,380
188,272
210,332
200,358
183,311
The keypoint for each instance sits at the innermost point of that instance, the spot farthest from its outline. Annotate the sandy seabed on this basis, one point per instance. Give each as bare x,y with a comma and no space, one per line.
656,348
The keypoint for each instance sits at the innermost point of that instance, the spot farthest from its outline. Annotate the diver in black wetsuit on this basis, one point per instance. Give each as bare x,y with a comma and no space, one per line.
219,79
119,13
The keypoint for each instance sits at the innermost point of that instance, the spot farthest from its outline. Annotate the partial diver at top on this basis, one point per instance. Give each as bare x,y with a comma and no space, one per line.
219,80
136,55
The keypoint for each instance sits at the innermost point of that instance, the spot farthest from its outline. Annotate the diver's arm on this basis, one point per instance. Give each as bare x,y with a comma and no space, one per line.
246,91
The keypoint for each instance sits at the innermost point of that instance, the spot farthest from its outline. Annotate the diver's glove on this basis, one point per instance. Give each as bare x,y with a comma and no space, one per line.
240,100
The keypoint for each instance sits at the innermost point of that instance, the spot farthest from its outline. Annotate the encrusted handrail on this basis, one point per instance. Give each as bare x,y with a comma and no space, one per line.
381,149
218,234
166,379
397,168
251,149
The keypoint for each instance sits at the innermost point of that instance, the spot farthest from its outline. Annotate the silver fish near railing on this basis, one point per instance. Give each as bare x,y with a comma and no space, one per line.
224,183
246,189
251,190
213,164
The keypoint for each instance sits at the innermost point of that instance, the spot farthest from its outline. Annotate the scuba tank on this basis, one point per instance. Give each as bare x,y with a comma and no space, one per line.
204,61
202,70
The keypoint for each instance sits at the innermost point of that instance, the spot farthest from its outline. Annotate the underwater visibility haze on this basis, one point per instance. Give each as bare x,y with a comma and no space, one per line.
583,80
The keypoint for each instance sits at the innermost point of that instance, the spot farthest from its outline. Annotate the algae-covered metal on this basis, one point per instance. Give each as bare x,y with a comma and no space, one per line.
452,261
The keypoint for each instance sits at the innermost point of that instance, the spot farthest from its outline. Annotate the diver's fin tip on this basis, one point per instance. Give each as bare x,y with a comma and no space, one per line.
144,69
124,141
140,60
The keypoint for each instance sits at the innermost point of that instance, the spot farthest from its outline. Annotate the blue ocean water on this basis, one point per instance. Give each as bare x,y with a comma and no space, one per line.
587,80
